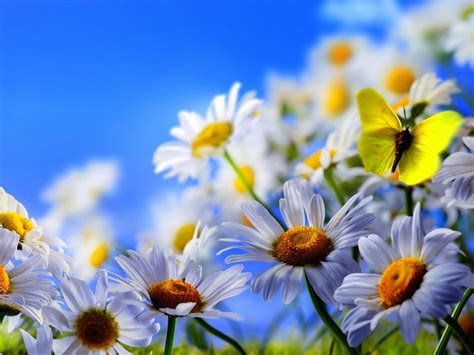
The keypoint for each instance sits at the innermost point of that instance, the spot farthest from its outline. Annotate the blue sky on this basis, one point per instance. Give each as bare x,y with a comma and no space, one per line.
86,79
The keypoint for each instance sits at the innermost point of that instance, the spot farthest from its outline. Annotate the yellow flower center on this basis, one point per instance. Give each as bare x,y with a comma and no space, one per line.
249,176
400,280
15,222
212,137
302,245
170,293
337,99
99,255
467,324
399,79
96,329
4,281
340,53
314,160
183,236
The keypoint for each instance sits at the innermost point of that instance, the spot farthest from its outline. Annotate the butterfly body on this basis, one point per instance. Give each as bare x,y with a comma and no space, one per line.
403,141
385,145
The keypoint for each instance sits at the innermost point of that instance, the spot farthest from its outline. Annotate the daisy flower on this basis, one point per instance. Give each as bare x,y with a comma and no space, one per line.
92,246
340,145
176,218
431,90
407,282
24,287
227,120
80,189
169,288
457,173
14,220
97,323
322,251
460,40
43,344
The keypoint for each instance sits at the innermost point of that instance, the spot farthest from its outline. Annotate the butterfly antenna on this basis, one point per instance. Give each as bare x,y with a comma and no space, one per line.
405,117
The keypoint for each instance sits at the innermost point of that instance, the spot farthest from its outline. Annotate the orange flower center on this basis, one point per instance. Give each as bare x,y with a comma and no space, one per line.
302,246
400,280
337,98
314,160
183,236
212,137
340,53
4,281
170,293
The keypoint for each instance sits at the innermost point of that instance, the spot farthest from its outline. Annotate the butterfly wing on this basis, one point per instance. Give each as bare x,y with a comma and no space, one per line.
430,137
379,125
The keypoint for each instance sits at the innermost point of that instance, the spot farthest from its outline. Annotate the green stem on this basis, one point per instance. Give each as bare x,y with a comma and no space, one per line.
332,346
443,343
220,335
329,176
170,335
409,200
383,338
326,318
460,333
248,187
437,328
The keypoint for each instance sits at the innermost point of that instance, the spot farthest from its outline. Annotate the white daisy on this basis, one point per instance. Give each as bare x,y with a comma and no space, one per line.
407,282
24,287
92,247
168,288
80,189
43,344
322,251
340,145
97,323
227,120
14,219
176,218
431,90
460,40
457,173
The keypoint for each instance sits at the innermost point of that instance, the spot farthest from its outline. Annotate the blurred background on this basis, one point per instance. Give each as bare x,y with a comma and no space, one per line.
86,81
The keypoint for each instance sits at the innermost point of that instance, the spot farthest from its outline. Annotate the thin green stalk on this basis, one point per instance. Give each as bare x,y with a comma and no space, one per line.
437,329
170,335
443,343
332,346
383,338
409,200
329,176
220,335
248,187
466,342
326,318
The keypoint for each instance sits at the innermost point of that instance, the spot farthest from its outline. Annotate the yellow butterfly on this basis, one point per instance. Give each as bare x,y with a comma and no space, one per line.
386,145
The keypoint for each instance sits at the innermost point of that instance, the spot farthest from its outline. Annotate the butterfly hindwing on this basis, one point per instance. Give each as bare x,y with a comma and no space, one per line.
430,137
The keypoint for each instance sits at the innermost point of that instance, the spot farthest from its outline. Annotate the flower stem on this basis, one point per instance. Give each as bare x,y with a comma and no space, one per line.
248,187
220,335
441,347
329,177
170,335
326,318
409,200
460,333
383,338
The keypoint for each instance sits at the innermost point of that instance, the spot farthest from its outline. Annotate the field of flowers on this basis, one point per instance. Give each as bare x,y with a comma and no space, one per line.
343,196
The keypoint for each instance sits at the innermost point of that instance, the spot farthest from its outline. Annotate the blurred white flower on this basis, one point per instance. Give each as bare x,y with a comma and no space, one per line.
92,246
43,344
340,145
431,90
227,120
460,40
80,189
